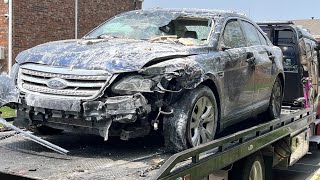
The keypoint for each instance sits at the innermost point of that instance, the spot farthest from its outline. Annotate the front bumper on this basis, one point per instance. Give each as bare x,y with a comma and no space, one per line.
122,109
94,115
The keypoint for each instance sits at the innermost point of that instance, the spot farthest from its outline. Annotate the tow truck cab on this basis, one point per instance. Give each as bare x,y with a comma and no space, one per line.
300,59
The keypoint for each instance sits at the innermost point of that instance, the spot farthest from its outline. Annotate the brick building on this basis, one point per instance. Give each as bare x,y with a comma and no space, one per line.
39,21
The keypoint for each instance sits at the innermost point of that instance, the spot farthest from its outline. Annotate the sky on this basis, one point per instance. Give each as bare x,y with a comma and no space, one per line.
257,10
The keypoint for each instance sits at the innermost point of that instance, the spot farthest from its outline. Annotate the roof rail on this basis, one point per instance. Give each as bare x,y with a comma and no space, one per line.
276,23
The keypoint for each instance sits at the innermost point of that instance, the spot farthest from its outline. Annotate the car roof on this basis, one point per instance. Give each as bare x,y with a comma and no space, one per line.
205,13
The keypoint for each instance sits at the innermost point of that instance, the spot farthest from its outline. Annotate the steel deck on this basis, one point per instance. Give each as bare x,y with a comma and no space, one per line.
92,158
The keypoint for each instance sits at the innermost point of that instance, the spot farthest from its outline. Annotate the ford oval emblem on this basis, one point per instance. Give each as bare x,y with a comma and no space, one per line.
56,83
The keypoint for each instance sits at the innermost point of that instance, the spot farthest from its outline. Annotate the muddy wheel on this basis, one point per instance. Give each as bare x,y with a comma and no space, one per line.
274,110
45,130
250,168
194,121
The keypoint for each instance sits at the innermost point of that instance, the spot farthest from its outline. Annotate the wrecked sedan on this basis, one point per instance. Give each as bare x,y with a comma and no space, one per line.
186,73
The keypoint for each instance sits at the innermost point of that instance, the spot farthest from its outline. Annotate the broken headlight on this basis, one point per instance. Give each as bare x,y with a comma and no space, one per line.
132,84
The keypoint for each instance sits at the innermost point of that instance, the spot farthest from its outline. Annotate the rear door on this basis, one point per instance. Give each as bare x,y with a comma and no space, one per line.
238,74
263,64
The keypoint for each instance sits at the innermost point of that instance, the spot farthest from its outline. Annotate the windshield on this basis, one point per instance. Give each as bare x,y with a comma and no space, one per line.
156,27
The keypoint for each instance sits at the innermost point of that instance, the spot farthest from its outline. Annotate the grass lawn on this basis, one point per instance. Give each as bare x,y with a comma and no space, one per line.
6,113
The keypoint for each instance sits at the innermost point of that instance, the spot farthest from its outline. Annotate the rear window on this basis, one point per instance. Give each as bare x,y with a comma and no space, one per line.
233,36
262,39
251,33
267,32
285,37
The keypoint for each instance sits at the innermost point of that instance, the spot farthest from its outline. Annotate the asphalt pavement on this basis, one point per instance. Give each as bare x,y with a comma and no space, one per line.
306,168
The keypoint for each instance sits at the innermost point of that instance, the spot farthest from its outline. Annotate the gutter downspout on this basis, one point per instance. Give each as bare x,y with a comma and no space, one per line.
10,29
76,20
135,4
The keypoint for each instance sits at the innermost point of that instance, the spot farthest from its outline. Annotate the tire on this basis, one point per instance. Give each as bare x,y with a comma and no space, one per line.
251,167
274,109
188,127
45,130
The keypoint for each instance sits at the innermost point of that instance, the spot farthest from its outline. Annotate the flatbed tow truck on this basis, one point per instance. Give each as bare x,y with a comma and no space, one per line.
278,143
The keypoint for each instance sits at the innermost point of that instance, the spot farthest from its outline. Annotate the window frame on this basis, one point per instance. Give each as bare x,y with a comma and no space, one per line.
257,33
223,30
268,41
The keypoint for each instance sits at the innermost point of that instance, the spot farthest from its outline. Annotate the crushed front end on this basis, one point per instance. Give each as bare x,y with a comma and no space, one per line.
127,105
77,100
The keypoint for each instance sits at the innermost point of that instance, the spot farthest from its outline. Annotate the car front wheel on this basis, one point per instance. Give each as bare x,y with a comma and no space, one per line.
194,121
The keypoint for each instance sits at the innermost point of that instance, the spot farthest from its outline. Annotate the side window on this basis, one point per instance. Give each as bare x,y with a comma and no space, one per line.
251,33
233,36
262,39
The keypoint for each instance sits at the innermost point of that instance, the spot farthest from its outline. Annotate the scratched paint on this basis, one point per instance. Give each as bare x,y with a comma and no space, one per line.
171,64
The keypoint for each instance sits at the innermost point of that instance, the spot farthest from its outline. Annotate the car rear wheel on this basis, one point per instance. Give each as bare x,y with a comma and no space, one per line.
194,121
274,110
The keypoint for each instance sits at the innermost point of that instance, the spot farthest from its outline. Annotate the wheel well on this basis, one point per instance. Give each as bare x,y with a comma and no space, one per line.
214,89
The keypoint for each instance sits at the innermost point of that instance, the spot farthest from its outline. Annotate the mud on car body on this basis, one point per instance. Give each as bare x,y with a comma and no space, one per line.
188,73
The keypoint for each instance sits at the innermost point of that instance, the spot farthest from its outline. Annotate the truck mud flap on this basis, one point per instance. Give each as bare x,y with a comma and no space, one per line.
34,138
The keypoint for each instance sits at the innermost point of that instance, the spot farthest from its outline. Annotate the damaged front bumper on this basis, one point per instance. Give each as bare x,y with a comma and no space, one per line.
122,109
99,114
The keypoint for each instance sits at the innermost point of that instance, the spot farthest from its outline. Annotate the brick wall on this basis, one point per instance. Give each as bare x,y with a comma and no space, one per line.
3,33
40,21
94,12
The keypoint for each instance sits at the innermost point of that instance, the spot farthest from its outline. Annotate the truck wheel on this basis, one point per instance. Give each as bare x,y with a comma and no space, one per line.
194,120
274,110
251,167
45,130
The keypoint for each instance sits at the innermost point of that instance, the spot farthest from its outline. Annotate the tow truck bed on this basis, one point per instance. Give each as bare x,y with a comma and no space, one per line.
91,158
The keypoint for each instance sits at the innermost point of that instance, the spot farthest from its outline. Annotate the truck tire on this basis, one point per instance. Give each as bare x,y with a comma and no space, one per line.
251,167
46,130
274,109
194,120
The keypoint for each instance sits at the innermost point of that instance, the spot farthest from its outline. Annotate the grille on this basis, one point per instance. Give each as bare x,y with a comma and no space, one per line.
80,84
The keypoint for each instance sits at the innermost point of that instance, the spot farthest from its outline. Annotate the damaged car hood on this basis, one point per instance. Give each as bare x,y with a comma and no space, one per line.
113,55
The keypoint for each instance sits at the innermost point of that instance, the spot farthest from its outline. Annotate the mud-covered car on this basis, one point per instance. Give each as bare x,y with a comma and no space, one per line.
186,73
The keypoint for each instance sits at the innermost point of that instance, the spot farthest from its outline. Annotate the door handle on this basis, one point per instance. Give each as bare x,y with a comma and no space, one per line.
271,57
250,58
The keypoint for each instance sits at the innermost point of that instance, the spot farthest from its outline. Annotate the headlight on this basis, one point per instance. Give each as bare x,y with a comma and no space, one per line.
132,84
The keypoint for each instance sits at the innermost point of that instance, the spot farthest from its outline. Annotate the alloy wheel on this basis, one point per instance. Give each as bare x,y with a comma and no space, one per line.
202,122
277,98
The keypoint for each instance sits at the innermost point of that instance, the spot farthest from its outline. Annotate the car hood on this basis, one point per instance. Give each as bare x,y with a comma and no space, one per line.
114,56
